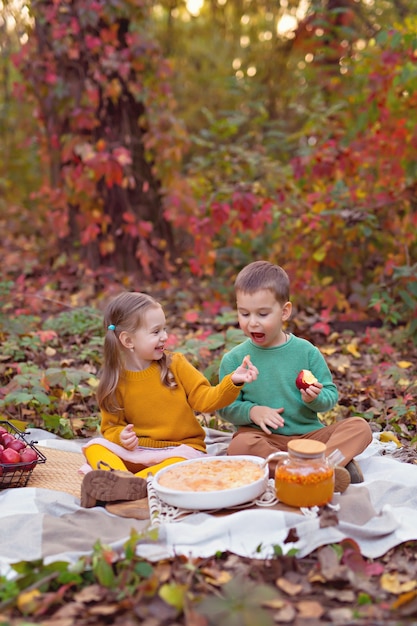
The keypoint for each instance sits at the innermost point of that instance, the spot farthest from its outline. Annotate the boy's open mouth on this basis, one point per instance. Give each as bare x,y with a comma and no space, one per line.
258,337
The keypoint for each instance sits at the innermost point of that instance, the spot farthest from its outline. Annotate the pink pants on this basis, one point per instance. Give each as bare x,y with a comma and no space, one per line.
351,436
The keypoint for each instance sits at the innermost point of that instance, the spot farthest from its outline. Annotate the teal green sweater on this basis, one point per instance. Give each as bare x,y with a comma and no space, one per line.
275,386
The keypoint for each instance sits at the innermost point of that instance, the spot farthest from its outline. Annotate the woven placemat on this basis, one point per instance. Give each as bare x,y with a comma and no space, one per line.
60,472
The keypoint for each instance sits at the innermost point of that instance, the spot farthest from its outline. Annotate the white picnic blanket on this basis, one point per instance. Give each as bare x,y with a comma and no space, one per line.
378,514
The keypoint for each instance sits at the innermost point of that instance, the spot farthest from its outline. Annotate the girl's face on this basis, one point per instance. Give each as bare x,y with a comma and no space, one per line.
147,343
261,317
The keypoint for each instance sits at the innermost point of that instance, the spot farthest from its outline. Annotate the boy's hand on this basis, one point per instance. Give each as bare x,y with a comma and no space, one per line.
310,394
267,417
128,438
245,373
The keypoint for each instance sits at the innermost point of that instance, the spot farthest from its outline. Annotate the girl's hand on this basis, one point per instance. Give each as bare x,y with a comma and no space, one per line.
311,393
245,373
128,438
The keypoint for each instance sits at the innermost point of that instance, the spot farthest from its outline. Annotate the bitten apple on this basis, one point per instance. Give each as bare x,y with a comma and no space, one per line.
304,379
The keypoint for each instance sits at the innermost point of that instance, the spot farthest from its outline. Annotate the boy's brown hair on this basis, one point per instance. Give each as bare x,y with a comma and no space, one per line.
264,275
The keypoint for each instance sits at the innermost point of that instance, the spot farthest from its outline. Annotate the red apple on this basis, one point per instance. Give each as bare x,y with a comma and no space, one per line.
9,456
304,379
17,444
3,430
29,456
6,439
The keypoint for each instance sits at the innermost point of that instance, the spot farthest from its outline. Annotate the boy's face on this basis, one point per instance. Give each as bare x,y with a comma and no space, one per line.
261,317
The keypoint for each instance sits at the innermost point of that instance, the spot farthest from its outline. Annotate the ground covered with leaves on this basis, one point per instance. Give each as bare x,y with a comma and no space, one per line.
51,338
333,585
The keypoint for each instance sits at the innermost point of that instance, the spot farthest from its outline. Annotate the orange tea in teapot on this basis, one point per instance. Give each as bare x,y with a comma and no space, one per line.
305,478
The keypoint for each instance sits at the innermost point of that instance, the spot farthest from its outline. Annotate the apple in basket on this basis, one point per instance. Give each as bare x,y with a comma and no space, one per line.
9,456
304,379
29,456
17,444
6,439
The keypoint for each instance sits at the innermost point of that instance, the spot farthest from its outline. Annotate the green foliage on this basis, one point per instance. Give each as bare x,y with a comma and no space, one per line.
240,604
77,322
396,299
195,348
9,321
48,394
121,571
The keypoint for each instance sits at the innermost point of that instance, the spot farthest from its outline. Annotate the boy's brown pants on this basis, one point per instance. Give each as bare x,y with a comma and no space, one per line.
351,436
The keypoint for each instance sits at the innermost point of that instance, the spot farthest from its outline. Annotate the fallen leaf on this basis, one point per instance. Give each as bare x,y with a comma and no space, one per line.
217,578
352,348
173,595
291,589
28,601
387,435
403,599
392,583
276,603
285,615
309,609
328,350
404,364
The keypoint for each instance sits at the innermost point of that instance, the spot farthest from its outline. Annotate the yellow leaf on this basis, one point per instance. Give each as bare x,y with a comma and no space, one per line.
393,584
319,207
174,595
28,601
352,348
404,364
220,578
19,424
93,382
328,350
320,254
404,382
387,435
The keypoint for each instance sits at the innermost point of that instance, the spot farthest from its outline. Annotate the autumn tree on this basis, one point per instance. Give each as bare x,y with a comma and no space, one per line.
108,136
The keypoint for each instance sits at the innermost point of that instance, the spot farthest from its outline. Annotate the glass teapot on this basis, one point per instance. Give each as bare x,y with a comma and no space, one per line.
304,476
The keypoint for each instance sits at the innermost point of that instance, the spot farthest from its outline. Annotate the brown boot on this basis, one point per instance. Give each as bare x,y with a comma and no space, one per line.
355,472
111,486
341,479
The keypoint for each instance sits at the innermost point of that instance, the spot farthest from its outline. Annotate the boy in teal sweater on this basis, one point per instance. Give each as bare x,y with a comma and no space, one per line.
272,410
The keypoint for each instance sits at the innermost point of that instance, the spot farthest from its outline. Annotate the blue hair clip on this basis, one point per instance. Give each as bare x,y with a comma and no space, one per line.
111,327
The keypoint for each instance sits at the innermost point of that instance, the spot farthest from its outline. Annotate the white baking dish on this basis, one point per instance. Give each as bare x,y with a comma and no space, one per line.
218,499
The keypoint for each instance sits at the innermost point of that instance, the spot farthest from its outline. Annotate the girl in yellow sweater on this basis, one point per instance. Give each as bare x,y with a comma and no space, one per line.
148,396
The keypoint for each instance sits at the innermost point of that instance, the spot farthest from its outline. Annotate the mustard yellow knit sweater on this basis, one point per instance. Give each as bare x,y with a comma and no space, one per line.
165,417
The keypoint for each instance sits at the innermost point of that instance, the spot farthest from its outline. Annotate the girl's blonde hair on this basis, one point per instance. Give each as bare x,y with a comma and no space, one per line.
124,313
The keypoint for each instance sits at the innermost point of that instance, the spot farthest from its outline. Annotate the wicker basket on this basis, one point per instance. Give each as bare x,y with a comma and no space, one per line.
18,474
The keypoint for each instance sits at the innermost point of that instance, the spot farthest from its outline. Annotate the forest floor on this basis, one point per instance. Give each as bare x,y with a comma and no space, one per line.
374,369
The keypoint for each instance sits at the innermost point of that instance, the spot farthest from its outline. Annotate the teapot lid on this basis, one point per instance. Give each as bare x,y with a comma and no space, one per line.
308,448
